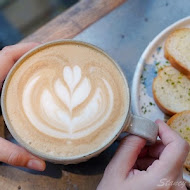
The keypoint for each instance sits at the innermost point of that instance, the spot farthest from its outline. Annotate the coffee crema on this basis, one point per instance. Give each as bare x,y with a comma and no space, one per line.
66,100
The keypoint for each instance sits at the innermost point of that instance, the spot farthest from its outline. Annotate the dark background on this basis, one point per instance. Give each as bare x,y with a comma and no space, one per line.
19,18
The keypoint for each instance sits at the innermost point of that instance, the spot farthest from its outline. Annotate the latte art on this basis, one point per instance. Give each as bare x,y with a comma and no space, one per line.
66,100
61,121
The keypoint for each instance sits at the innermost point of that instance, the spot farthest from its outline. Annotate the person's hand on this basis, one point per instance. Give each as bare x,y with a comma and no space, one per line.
158,167
9,152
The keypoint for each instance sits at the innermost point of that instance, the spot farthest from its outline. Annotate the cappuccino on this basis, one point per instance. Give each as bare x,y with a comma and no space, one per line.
66,100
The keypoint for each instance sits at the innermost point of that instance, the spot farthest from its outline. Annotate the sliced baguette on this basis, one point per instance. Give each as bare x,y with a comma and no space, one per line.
177,50
181,124
171,91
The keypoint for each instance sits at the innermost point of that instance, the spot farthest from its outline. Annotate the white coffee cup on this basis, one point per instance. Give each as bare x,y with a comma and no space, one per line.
132,124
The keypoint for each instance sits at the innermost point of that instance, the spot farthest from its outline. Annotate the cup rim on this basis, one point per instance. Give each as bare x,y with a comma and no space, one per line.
34,151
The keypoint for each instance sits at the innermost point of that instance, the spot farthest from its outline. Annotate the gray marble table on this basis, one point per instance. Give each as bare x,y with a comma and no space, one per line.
126,31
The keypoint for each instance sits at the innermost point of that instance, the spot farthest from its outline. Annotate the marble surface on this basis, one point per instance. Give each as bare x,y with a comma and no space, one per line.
126,31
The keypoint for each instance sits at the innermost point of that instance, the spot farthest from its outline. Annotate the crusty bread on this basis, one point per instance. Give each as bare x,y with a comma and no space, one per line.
177,50
171,91
181,123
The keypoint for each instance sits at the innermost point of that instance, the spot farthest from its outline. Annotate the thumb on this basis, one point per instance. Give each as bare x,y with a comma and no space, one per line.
18,156
126,156
10,54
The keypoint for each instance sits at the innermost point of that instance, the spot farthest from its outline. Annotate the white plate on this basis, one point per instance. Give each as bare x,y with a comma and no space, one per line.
151,60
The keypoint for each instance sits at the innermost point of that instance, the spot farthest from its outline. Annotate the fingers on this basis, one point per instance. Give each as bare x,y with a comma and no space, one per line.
10,54
153,151
176,149
148,155
11,153
144,163
17,156
126,156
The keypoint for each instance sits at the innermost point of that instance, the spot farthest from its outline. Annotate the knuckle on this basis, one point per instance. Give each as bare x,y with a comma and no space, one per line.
6,50
108,170
182,149
186,146
15,159
183,144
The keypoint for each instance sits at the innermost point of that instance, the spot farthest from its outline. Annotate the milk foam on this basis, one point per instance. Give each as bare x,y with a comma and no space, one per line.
66,100
72,96
75,91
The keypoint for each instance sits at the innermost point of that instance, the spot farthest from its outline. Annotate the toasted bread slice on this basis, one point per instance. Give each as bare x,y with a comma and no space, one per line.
181,123
171,91
177,50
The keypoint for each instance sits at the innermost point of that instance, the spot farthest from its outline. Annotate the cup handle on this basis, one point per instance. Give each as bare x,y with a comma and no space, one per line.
142,127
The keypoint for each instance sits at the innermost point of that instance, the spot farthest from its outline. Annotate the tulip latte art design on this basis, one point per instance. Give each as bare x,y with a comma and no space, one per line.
72,92
66,100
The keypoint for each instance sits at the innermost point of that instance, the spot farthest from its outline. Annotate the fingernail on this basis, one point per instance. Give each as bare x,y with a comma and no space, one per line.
36,165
